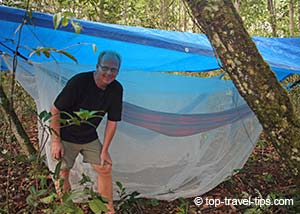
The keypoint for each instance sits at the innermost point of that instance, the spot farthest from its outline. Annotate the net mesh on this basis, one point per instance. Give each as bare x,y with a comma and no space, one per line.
179,137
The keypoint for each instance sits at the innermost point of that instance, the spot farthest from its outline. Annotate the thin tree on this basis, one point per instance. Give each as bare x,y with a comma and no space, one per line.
237,4
299,17
272,10
291,15
252,77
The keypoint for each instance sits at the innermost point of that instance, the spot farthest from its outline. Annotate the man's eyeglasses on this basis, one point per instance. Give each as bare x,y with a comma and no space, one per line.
108,70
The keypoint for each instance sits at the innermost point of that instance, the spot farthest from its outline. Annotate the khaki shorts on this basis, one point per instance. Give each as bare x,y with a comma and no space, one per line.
90,152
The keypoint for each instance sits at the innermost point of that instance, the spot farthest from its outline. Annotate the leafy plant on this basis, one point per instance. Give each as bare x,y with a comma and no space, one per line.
60,202
63,20
268,178
46,51
57,203
152,202
184,207
128,203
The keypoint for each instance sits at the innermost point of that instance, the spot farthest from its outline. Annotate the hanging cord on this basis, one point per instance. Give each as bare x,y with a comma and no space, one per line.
15,52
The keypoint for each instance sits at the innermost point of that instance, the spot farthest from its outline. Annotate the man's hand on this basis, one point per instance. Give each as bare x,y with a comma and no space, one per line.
57,150
105,158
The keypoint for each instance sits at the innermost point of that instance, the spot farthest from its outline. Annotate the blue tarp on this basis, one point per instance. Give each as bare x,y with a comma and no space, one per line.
141,48
180,136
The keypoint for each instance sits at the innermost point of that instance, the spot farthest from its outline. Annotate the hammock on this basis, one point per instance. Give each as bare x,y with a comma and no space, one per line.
158,150
180,136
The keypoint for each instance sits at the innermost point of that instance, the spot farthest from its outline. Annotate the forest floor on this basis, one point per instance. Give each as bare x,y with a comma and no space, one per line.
264,176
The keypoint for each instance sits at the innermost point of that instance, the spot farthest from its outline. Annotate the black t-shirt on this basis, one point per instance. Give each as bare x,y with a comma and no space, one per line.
81,92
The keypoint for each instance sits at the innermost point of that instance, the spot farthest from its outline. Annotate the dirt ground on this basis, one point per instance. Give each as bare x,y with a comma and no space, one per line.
264,175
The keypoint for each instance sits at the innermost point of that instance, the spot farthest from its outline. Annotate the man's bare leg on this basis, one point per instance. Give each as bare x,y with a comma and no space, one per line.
105,187
64,175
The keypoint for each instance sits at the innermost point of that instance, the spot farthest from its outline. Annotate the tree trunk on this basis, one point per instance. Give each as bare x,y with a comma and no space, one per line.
185,17
102,9
299,17
16,126
291,14
252,77
272,10
179,15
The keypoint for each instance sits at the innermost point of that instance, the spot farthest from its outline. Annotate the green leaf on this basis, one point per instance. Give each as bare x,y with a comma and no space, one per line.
33,190
56,20
82,114
74,194
57,170
134,194
37,52
104,200
68,55
64,21
32,157
43,180
41,192
44,115
63,208
31,202
85,114
65,196
97,206
21,158
77,27
63,121
94,48
75,121
78,210
46,53
47,117
49,199
85,179
119,184
154,202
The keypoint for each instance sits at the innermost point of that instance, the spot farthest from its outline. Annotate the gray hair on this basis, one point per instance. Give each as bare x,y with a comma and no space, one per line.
110,53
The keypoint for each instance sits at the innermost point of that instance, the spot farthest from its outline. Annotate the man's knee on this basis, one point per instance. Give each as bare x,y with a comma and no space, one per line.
103,170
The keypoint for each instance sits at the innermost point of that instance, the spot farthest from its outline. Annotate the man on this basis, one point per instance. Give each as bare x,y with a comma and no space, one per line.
93,91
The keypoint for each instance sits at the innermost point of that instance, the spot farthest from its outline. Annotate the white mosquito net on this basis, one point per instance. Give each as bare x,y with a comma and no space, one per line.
179,136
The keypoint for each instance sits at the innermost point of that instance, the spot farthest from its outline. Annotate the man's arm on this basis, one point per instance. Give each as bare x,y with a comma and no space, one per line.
57,149
109,133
